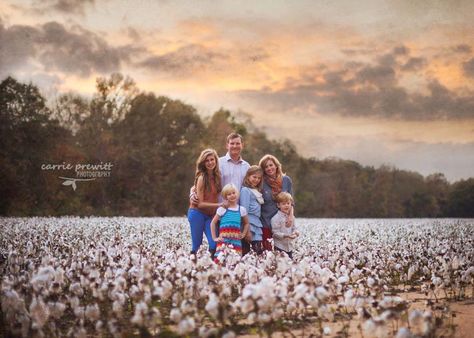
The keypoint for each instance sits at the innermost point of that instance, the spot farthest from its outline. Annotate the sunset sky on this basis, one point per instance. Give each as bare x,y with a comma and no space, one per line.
378,82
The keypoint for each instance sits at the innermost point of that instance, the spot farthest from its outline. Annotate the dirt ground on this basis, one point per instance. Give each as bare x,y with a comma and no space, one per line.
458,321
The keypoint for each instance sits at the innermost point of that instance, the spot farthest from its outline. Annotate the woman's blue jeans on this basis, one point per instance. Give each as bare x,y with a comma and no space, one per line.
200,223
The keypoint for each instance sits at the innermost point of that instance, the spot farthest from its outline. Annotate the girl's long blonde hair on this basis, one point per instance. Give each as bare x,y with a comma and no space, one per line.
253,170
202,171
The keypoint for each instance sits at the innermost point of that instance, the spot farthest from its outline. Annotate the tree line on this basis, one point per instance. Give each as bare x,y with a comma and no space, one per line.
152,143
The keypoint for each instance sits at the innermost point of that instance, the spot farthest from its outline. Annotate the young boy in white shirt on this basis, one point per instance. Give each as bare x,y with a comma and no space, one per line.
283,224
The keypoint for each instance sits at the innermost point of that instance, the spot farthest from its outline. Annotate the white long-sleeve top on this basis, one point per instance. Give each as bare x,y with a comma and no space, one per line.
280,229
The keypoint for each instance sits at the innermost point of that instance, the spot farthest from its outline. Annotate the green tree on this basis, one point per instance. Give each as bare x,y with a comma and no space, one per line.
156,165
28,138
461,199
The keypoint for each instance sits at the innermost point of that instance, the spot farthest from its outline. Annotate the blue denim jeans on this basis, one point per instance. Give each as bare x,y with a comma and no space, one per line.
200,223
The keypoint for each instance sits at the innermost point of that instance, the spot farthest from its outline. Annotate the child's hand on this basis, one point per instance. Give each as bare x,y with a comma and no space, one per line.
218,239
248,237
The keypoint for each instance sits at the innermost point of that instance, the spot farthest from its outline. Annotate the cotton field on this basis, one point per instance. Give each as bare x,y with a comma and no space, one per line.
122,277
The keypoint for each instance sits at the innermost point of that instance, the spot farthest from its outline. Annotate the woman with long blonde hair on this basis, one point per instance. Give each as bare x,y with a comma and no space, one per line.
274,182
207,181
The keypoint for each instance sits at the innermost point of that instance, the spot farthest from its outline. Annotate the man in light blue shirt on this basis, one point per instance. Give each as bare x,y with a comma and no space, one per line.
232,167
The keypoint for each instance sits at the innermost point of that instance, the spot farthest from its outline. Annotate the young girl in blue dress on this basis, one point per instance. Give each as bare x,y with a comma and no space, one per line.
251,198
230,221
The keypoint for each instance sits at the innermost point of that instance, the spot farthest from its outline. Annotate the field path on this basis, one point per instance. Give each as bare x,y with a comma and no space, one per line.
464,319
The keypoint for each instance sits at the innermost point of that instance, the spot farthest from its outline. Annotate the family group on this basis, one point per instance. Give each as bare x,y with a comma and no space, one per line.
239,206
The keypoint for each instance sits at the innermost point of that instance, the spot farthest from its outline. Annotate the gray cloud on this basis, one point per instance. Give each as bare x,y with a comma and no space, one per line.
73,50
401,50
468,68
463,48
414,64
185,60
371,89
62,6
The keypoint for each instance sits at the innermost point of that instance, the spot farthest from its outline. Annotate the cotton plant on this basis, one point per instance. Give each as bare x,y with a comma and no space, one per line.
127,276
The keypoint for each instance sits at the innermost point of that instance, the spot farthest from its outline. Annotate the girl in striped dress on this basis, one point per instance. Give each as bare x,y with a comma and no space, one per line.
230,223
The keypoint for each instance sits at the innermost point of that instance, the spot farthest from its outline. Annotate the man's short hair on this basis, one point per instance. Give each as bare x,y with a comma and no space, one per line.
233,135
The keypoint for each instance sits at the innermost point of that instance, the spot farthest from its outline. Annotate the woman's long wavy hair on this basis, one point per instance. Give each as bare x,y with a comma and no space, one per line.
263,161
202,171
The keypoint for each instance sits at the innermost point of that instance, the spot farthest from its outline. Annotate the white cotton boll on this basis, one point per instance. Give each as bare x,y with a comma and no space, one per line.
56,309
186,325
326,330
92,312
321,293
120,283
139,314
282,266
253,291
343,279
98,293
277,313
437,281
203,332
426,325
356,274
246,306
403,332
229,334
311,300
386,315
76,289
113,329
369,327
300,291
167,289
291,306
411,271
39,312
59,275
134,292
79,312
108,274
44,276
226,291
253,276
74,302
117,308
264,318
265,304
212,306
186,306
252,318
81,333
348,298
99,325
326,275
175,315
415,318
370,282
11,301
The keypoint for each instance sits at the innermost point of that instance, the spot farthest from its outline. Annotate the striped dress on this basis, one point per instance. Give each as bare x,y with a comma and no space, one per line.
229,229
